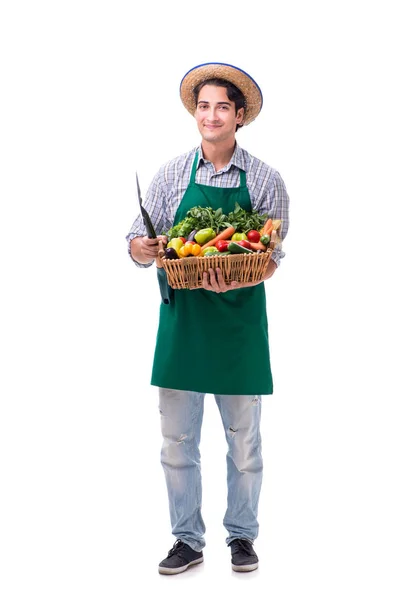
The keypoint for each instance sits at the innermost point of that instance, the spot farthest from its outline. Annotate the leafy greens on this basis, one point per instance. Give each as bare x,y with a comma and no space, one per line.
200,217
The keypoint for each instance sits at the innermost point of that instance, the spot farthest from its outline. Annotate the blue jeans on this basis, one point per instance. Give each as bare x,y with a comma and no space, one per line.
181,420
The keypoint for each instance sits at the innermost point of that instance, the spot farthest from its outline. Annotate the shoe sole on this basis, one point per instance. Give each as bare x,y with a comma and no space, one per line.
244,568
170,571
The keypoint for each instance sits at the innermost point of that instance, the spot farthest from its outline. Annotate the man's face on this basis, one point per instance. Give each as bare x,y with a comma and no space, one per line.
216,115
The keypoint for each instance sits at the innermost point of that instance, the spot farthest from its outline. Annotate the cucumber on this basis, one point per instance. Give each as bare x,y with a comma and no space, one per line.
237,249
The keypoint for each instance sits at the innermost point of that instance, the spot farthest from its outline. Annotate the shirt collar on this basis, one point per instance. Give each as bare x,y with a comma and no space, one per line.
237,159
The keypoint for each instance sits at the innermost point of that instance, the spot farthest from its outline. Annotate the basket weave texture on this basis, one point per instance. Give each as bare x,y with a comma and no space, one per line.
187,273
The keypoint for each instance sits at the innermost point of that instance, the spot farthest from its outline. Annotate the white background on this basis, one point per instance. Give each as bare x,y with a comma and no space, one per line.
89,96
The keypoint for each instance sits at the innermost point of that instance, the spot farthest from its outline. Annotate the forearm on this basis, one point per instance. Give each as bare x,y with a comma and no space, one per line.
271,268
214,281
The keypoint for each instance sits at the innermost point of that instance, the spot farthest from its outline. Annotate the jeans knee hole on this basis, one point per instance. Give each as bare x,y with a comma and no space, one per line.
232,431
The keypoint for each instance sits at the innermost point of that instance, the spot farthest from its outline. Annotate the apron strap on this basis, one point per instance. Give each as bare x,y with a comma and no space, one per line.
194,168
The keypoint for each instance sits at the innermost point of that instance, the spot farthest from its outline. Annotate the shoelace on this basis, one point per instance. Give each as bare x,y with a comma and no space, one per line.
176,548
243,545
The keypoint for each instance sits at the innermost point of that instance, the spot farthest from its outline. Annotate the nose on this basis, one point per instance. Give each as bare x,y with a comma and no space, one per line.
212,114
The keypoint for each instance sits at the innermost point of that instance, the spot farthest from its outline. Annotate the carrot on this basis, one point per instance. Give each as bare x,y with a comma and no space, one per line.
224,235
258,246
267,227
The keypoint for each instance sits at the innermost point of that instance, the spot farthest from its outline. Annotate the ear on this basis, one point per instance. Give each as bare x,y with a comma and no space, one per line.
240,116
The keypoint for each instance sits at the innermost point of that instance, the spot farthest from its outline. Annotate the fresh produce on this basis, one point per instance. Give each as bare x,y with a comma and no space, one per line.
258,246
184,251
265,239
209,251
225,234
200,217
207,232
244,243
243,220
267,227
204,235
239,236
253,235
222,245
191,235
175,243
237,248
189,249
195,249
171,254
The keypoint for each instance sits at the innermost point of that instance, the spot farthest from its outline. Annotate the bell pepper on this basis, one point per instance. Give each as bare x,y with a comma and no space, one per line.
237,237
204,235
189,249
195,249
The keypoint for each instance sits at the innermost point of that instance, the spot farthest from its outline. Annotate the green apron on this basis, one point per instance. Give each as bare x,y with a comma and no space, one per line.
209,342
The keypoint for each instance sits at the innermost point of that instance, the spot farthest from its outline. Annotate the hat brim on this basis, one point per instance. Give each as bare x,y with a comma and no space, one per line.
239,78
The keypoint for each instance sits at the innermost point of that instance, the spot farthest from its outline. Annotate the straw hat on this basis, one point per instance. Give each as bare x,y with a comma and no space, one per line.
239,78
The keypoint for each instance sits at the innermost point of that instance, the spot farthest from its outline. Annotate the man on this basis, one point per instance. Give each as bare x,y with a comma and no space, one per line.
218,173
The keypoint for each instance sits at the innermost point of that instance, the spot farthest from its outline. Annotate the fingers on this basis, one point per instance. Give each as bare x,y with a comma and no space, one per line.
209,281
213,281
149,247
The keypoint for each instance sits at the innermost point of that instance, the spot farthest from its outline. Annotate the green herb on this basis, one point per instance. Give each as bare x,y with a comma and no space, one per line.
200,217
243,220
182,229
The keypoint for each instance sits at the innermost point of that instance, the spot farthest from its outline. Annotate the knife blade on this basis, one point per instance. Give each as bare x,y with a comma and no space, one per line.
165,289
145,215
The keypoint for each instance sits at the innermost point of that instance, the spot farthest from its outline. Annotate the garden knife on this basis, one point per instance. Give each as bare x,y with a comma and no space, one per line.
165,289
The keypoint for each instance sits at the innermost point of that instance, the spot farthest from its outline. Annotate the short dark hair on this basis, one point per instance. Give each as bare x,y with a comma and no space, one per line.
233,93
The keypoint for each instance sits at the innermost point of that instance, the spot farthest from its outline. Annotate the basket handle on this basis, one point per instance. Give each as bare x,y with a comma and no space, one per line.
161,254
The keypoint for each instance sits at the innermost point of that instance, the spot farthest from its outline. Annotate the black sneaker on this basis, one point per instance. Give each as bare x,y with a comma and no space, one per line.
243,556
180,557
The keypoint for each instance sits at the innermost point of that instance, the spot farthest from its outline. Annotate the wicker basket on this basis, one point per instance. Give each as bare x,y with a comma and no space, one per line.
187,273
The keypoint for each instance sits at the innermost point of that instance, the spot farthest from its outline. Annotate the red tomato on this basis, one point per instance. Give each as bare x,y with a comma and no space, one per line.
253,236
183,239
245,244
222,245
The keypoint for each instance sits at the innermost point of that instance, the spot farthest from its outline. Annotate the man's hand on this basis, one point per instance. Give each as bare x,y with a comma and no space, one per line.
144,249
213,280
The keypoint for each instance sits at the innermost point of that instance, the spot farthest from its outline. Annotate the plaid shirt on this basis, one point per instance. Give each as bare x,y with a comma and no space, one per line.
266,188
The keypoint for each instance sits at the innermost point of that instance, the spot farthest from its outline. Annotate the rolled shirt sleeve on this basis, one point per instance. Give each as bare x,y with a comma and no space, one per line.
275,203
